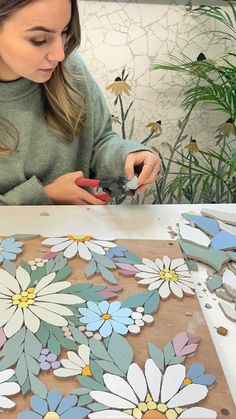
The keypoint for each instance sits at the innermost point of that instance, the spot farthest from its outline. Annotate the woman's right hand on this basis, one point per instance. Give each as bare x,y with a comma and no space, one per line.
64,191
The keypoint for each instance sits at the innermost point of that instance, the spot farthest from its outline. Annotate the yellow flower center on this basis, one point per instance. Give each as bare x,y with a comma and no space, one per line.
106,316
24,299
168,275
78,238
51,415
152,410
187,381
86,371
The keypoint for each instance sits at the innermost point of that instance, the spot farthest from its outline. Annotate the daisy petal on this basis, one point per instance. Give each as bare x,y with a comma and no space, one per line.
166,261
48,316
14,324
84,252
23,278
150,263
147,281
54,240
114,306
147,275
93,307
159,264
172,380
119,327
70,365
176,289
189,395
6,389
106,329
6,403
77,361
66,299
175,263
144,268
94,325
5,375
95,248
44,282
120,387
71,251
53,288
9,281
84,352
186,289
137,381
155,285
198,413
104,243
111,400
56,308
61,246
103,307
154,376
31,321
66,372
4,290
164,290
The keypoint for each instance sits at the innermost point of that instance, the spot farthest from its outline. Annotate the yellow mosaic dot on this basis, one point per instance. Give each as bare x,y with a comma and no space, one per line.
16,297
137,414
173,272
171,414
30,302
148,398
143,407
23,305
162,407
166,270
30,290
151,405
78,238
106,316
23,299
31,295
187,381
24,294
51,415
86,371
178,410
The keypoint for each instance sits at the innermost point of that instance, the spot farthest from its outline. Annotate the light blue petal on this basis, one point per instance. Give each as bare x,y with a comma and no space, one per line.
7,241
196,370
207,380
1,258
18,244
66,404
89,313
123,320
106,329
53,398
29,415
16,250
94,307
9,256
103,306
39,405
89,319
75,413
94,326
114,307
119,328
123,312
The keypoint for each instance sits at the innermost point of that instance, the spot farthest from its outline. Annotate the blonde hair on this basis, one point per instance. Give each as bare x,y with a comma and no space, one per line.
64,108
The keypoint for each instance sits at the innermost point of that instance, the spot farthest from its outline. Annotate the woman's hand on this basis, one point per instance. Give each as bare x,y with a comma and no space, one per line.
64,191
146,164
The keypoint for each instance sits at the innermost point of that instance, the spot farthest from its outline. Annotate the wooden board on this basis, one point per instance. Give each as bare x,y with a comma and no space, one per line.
169,321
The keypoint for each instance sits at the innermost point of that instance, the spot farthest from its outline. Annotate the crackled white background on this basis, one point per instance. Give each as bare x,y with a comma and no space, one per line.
133,35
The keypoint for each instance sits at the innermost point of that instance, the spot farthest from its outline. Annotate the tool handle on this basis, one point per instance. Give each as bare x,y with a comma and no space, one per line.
82,181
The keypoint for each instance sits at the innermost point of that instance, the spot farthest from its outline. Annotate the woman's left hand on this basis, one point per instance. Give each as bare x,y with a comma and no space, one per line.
146,164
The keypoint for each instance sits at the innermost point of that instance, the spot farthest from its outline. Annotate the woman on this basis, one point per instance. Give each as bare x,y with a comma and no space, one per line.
54,123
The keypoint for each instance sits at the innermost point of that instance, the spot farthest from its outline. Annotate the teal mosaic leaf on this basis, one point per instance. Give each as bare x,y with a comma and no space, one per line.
92,384
37,386
43,334
90,269
11,357
84,400
120,351
63,273
110,367
99,350
33,346
38,274
32,365
78,336
49,266
60,264
96,371
104,261
156,355
91,294
152,304
53,345
177,360
138,299
134,258
21,370
25,387
59,257
26,266
81,391
96,407
67,343
10,267
106,274
214,283
169,353
25,236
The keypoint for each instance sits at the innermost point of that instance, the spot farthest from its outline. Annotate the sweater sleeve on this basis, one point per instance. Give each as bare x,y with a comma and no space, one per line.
28,193
109,150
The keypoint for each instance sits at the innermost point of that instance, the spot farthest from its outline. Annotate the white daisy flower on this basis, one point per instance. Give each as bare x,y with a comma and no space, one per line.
83,245
168,276
151,395
7,389
20,304
140,319
75,364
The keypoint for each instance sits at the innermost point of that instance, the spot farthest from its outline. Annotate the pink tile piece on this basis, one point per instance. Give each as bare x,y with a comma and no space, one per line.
50,255
126,273
111,291
127,267
3,338
184,345
194,339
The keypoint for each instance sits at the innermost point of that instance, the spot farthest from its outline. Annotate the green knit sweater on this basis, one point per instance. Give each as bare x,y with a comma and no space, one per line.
43,156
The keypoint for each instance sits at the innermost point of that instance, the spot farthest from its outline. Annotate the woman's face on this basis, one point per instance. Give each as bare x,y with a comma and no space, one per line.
32,40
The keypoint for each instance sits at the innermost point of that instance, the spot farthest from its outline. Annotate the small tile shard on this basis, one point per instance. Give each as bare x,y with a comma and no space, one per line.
222,331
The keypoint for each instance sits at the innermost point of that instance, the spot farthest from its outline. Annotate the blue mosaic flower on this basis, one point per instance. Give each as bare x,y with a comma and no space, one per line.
195,375
116,251
54,407
9,248
106,317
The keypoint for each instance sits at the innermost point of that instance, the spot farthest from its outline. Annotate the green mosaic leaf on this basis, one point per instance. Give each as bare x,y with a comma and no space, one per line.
90,269
78,336
78,288
138,299
25,236
84,400
177,360
53,345
152,304
96,371
96,407
156,355
214,283
131,256
63,273
33,346
67,343
59,257
99,350
32,365
81,391
60,264
104,261
120,351
91,294
26,387
43,334
169,353
50,266
21,370
11,357
10,267
37,386
92,384
106,274
110,367
38,274
26,267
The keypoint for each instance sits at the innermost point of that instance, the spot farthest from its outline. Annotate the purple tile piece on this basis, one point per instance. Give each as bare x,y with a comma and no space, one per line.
45,351
45,366
55,365
42,358
51,358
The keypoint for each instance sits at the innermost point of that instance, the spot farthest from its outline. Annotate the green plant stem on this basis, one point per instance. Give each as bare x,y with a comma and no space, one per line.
122,117
219,167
